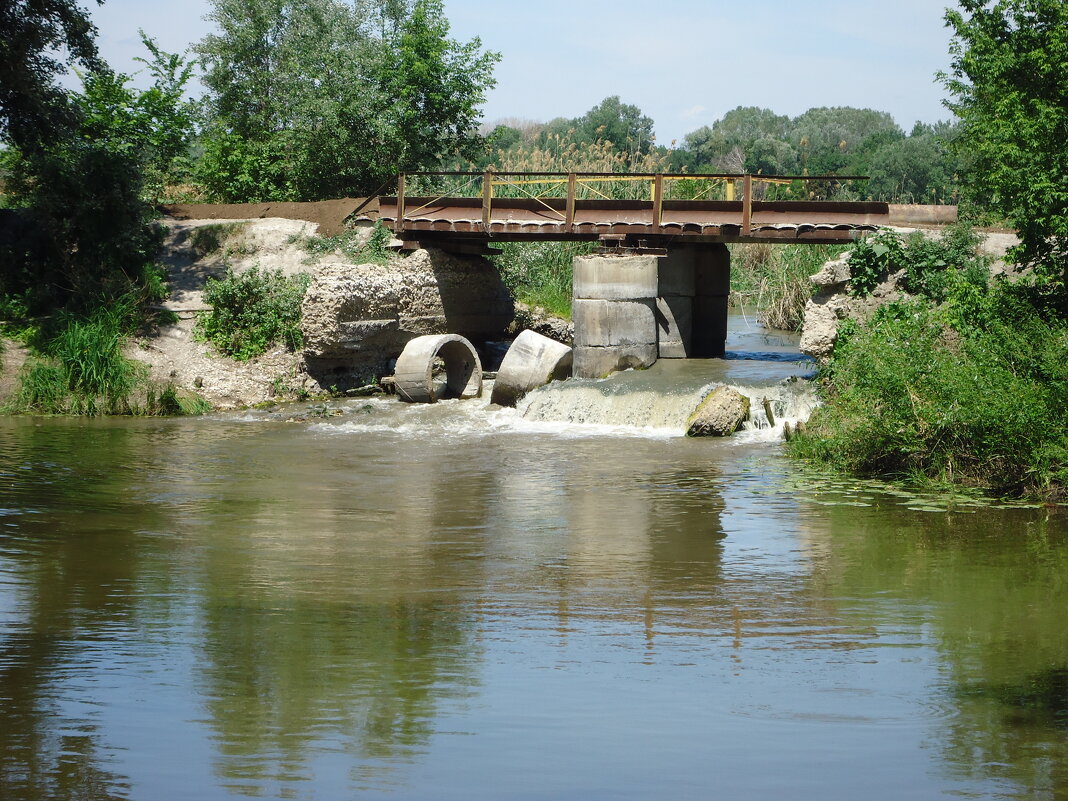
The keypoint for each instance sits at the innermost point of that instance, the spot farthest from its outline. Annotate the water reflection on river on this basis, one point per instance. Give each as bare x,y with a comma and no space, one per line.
329,609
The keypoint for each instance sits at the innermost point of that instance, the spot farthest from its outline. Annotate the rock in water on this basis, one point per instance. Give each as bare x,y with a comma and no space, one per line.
720,414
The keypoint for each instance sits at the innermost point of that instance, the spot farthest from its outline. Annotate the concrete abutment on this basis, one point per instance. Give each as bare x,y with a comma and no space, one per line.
630,310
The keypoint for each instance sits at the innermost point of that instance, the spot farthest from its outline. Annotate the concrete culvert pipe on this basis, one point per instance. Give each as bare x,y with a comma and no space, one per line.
531,361
414,375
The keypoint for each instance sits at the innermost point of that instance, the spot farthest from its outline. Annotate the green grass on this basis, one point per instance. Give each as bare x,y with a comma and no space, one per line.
79,369
355,243
540,273
215,237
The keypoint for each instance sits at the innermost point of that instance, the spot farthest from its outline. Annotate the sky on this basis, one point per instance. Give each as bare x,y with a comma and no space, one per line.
684,63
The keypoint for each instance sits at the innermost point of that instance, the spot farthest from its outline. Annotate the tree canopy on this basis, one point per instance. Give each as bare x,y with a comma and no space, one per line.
1009,88
321,98
38,39
612,121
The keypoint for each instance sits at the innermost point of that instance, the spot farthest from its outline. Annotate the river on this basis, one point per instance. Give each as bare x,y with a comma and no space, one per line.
363,599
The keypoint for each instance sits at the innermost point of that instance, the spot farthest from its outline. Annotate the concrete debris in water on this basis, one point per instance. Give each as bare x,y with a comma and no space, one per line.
416,379
532,361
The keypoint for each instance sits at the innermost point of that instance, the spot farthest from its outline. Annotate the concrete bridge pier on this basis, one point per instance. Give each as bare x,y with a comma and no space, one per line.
630,310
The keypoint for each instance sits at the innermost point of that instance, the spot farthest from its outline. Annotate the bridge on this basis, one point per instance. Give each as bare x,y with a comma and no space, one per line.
658,285
638,211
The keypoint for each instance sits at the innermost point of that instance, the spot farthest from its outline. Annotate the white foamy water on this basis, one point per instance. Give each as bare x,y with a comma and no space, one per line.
617,403
650,404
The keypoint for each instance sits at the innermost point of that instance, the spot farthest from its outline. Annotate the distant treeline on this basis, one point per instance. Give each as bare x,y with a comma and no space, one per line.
914,167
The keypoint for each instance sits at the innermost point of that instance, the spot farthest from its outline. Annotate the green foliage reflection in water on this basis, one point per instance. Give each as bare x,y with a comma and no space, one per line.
251,310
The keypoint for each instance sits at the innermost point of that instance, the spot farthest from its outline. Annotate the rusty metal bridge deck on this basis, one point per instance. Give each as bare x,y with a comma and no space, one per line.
651,222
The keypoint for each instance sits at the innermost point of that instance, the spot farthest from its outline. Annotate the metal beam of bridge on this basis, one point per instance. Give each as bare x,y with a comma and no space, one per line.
581,211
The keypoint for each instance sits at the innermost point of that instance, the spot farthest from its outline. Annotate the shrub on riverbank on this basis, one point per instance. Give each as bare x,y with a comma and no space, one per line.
965,383
251,311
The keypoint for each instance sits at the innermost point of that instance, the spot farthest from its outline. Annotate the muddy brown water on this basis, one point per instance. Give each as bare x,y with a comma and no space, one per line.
455,602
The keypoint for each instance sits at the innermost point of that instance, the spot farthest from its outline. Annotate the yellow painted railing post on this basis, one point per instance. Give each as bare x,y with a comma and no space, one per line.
730,188
747,204
658,200
569,211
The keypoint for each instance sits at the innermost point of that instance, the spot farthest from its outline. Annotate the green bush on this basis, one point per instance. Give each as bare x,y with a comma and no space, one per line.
974,391
80,369
99,378
872,260
251,311
927,261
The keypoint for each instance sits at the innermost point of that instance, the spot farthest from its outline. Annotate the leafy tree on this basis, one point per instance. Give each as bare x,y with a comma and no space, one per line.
611,120
730,144
700,148
34,34
746,124
826,137
168,119
1009,88
320,98
620,123
913,169
434,86
84,192
771,156
503,137
84,231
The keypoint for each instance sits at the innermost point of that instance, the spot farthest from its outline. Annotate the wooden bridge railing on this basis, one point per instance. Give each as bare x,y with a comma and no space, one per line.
575,182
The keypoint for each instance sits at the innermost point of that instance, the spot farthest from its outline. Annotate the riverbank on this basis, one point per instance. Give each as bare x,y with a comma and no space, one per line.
940,366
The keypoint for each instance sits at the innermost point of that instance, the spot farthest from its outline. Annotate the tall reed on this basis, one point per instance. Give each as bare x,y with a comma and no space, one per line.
775,279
